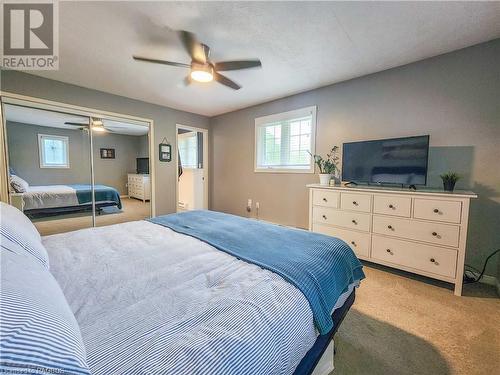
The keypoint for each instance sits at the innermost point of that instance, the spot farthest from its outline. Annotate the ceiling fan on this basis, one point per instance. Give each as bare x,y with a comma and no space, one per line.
97,125
202,68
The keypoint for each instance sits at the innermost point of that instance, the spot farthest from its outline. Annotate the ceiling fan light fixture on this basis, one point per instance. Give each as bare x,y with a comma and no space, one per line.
98,128
202,72
98,125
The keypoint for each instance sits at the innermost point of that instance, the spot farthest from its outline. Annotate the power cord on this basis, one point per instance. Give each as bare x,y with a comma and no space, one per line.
470,277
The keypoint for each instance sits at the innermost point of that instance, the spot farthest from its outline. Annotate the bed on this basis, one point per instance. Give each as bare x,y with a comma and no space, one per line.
57,199
199,293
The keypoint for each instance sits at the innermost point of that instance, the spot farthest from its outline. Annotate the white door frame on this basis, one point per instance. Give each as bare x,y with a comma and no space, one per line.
205,162
30,101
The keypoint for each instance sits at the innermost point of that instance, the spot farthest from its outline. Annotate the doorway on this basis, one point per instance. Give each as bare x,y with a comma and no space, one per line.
192,168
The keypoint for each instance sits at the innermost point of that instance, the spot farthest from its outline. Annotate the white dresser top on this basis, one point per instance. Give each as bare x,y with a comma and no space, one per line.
380,189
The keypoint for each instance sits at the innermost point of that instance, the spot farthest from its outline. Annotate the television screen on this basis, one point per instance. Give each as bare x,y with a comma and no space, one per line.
143,165
386,161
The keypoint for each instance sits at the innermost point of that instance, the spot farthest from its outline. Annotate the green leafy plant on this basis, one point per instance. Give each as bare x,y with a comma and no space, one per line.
451,177
449,180
329,164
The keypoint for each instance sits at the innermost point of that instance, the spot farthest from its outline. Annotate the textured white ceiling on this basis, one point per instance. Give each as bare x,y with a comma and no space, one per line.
40,117
302,45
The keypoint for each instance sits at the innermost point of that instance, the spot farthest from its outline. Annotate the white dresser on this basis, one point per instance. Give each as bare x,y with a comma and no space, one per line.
424,231
139,186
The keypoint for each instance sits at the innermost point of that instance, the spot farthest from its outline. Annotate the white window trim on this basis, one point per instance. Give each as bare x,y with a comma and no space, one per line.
41,151
259,121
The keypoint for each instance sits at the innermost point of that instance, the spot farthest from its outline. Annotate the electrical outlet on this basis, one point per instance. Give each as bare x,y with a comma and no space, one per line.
257,205
249,205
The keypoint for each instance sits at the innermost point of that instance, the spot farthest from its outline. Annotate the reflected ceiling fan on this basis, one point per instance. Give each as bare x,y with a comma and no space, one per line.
97,125
202,68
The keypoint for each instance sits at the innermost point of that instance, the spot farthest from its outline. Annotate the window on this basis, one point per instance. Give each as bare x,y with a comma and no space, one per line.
284,142
188,149
54,151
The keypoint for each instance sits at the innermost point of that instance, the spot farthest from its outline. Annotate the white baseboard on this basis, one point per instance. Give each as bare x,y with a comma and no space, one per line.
489,280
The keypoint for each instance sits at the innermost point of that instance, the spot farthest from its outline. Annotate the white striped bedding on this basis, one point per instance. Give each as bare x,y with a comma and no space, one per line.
152,301
49,196
38,331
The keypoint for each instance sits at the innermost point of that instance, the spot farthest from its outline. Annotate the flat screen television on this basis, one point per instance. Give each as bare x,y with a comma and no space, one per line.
400,161
142,165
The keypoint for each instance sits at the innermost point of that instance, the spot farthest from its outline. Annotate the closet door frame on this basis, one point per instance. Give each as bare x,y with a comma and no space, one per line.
33,102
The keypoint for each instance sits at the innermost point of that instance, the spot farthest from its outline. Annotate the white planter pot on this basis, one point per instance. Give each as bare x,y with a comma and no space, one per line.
324,178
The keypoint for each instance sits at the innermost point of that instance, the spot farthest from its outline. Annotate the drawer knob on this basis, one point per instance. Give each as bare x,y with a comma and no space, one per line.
355,203
324,217
354,221
353,243
389,251
325,200
434,234
391,206
390,227
433,260
436,211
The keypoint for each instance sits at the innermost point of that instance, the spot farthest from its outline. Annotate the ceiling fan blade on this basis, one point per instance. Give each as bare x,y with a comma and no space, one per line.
75,124
236,65
193,47
226,81
164,62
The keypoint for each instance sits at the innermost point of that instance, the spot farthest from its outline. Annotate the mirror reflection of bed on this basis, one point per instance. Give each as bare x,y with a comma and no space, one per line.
52,172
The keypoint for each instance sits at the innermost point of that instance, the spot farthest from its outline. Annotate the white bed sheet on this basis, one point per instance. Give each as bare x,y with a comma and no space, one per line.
150,300
49,196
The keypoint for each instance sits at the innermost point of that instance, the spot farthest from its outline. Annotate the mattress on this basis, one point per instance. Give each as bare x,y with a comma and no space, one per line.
150,300
59,196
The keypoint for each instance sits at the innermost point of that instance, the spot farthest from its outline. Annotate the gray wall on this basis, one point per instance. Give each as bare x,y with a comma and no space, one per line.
454,97
143,147
22,141
164,119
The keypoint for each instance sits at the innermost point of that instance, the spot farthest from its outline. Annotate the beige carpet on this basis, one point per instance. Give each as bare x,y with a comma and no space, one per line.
132,209
403,324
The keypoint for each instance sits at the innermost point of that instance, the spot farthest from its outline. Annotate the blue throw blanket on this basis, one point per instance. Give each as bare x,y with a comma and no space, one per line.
321,267
103,193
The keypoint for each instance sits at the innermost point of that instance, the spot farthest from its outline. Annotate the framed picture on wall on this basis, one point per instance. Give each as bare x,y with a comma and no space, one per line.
107,153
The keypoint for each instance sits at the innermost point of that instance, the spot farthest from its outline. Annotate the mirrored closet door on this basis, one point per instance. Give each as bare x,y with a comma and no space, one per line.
49,167
121,171
69,171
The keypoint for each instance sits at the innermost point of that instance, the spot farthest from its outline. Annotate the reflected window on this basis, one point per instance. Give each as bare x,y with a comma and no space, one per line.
54,151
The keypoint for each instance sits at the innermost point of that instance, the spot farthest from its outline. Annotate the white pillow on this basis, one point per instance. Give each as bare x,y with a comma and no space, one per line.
16,228
18,184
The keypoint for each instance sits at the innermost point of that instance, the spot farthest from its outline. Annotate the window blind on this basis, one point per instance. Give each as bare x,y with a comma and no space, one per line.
285,141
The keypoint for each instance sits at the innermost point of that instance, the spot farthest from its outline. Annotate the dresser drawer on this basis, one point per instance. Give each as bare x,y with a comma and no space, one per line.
351,220
437,233
392,205
356,202
438,210
359,242
323,197
426,258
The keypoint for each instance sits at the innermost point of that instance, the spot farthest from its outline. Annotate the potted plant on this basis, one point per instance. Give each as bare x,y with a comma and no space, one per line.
449,180
327,166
